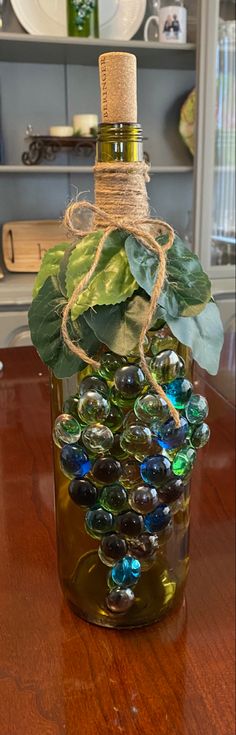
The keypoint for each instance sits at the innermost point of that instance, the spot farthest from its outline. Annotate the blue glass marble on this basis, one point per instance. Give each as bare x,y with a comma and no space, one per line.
74,461
169,436
158,519
126,572
179,391
156,470
98,522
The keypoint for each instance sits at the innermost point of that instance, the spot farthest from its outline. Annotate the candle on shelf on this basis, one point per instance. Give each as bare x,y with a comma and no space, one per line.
61,131
83,124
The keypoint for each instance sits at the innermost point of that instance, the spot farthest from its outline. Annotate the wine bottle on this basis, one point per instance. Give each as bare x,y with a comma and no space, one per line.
122,512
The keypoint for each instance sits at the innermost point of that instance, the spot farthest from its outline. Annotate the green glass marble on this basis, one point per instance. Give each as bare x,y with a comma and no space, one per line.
97,438
150,407
136,439
200,435
67,430
109,364
197,409
113,498
130,475
179,391
163,341
98,522
130,380
143,499
183,461
93,407
70,406
166,366
115,418
92,382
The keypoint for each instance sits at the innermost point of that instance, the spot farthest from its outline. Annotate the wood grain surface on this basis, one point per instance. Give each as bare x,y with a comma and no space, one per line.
60,675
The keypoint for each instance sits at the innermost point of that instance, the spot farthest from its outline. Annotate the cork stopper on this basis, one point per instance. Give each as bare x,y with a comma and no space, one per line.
118,83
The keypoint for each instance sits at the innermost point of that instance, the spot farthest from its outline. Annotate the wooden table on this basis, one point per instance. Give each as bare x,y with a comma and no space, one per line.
61,675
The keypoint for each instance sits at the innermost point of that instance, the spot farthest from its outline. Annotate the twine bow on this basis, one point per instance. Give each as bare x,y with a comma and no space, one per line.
139,231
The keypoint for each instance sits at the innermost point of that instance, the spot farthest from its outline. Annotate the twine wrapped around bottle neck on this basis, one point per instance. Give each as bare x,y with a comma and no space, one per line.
121,188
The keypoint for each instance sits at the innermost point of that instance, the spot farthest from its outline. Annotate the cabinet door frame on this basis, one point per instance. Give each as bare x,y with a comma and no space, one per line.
208,19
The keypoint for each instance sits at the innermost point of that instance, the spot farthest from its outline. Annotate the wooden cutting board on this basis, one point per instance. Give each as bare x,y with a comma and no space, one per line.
24,243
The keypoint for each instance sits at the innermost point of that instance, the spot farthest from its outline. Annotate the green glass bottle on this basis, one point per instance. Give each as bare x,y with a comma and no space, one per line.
122,516
82,18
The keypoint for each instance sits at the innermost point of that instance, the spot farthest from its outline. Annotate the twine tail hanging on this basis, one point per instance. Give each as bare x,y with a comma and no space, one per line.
141,231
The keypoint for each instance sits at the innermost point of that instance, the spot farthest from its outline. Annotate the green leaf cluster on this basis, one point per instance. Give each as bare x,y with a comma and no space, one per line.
114,306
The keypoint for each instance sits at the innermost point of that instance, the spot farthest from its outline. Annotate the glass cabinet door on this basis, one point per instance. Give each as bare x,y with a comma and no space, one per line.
215,158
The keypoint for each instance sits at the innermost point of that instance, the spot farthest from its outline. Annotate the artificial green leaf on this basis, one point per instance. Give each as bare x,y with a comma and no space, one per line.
50,265
187,288
203,333
63,269
112,281
119,325
45,325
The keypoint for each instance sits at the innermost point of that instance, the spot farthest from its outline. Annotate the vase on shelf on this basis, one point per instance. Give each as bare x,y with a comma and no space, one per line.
82,18
127,425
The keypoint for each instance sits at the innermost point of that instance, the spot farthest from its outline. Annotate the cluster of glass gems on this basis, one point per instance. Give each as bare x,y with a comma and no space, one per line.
127,462
83,9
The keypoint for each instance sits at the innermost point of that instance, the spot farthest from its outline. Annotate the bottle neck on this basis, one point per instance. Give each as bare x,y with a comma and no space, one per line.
119,142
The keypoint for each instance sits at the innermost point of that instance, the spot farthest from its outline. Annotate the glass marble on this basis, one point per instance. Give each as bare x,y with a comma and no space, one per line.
130,476
158,519
163,341
120,600
97,438
130,419
172,491
74,461
143,499
117,450
183,461
151,407
98,522
70,406
136,439
144,548
109,364
83,493
126,572
112,548
113,498
114,419
156,470
200,436
169,436
135,352
92,407
66,430
197,409
179,392
119,400
129,524
130,380
166,366
92,382
107,470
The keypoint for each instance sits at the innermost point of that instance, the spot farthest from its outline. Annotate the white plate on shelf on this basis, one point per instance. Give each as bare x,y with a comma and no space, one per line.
119,19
